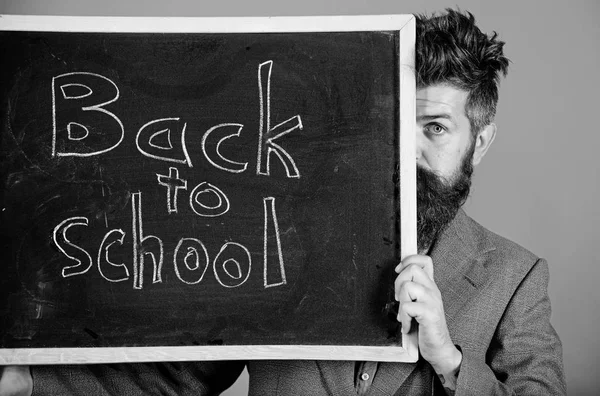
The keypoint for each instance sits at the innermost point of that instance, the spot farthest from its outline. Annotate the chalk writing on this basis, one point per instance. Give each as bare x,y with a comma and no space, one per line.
143,246
217,159
225,260
148,135
72,133
84,132
70,93
173,184
231,266
268,135
186,272
87,109
155,138
60,240
103,259
271,224
204,209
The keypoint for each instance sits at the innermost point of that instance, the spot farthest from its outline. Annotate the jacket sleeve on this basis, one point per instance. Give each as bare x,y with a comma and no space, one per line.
525,355
181,378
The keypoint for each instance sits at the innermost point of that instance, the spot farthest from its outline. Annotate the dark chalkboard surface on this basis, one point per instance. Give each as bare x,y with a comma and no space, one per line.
199,190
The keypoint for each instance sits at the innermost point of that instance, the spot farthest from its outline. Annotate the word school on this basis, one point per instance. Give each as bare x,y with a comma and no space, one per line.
232,264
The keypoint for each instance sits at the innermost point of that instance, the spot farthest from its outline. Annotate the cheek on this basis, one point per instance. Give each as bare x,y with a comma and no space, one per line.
444,160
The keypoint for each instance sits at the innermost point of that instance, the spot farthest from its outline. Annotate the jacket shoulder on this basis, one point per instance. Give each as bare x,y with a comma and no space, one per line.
500,250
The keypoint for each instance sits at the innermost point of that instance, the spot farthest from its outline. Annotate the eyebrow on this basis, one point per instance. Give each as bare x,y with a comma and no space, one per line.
436,116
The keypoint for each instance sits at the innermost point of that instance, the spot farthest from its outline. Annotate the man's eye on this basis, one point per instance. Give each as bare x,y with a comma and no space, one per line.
435,129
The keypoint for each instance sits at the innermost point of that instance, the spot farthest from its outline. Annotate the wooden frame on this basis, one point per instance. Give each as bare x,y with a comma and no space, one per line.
405,25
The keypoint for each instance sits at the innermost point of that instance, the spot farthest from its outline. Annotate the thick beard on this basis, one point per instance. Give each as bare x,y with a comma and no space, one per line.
438,200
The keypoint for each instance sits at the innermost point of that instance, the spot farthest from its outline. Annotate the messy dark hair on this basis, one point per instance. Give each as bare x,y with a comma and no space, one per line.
451,49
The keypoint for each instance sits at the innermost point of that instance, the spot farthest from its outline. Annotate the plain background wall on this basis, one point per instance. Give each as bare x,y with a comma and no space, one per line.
539,184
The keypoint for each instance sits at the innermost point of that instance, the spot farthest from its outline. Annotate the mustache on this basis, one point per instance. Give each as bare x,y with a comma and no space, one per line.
433,188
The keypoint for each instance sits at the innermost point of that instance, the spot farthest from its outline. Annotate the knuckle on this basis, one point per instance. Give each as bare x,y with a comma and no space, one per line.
410,289
410,260
411,269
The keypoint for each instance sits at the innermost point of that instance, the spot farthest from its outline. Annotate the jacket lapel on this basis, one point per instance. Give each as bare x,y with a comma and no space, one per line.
459,275
338,377
457,261
390,376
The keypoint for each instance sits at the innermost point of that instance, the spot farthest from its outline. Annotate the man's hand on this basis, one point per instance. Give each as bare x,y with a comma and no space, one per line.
15,381
420,298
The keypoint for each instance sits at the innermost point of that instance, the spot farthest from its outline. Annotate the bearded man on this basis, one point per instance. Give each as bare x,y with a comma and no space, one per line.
480,301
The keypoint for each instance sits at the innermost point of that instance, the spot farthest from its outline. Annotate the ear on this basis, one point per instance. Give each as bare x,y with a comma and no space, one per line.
483,141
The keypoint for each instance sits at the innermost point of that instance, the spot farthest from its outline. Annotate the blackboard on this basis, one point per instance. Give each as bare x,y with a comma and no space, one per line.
201,194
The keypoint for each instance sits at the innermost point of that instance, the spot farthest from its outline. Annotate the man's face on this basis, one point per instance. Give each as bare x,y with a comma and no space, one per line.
445,148
443,130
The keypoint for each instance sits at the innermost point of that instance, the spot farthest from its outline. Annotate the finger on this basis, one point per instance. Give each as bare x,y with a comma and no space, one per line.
408,311
415,259
411,291
420,260
407,293
404,318
411,310
414,273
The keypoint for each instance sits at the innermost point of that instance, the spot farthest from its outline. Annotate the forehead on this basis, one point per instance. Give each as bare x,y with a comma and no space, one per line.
441,100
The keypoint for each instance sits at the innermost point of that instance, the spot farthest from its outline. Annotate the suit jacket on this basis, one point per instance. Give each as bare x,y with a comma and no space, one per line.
497,309
498,313
135,379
